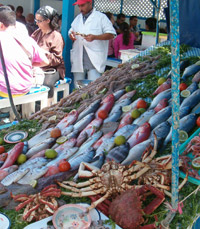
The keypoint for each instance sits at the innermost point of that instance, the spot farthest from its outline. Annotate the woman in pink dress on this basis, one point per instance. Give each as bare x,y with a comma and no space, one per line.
125,40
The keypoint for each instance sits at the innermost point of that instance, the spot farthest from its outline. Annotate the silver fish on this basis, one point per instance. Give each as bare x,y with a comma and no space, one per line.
36,162
118,154
126,131
46,144
115,116
136,152
106,146
80,125
165,94
144,117
37,139
67,130
192,100
118,94
33,174
14,177
91,109
120,103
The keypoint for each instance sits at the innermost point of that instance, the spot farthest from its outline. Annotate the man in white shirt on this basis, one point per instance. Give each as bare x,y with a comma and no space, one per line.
91,30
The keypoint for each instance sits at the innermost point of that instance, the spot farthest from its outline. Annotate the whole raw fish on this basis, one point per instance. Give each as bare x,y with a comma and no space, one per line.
106,146
118,153
67,130
36,162
70,141
141,134
133,106
114,116
196,77
106,104
73,134
191,70
92,108
144,117
89,130
32,175
187,123
37,139
5,172
126,131
118,94
68,120
99,142
81,124
136,152
162,104
14,177
183,65
66,145
196,109
166,85
129,95
46,144
85,156
183,112
192,100
192,87
39,154
160,117
13,155
119,104
163,95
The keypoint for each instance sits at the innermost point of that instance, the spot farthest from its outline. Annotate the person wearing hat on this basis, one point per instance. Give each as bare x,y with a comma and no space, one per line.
90,32
49,39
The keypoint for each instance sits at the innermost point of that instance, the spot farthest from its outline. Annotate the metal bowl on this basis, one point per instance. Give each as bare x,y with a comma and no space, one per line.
82,83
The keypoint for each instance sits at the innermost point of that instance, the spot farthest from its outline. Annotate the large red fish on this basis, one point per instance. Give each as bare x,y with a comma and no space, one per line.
163,87
162,104
141,134
106,104
68,120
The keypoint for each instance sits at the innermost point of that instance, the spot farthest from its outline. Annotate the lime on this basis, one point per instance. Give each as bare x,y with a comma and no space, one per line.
128,88
1,141
126,108
120,140
135,113
142,110
52,118
196,163
21,159
33,183
183,136
103,91
161,80
50,153
185,93
61,139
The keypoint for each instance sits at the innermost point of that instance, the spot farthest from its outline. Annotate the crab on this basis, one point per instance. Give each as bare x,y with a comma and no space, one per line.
113,178
38,206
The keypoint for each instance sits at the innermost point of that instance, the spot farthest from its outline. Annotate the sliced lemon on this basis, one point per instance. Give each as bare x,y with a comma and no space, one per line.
183,136
185,93
61,140
126,108
33,183
196,163
52,118
134,66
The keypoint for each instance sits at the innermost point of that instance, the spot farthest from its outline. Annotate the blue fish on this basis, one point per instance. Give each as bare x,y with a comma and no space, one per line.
119,153
193,87
118,94
183,112
126,131
183,65
114,116
192,100
190,70
163,95
120,103
160,117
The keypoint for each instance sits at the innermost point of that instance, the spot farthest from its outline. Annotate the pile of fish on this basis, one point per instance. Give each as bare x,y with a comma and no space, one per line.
111,81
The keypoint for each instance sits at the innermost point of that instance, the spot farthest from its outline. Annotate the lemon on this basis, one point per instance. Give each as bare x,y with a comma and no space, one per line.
161,80
185,93
1,141
196,163
61,139
142,110
128,88
135,113
126,108
52,118
33,183
120,140
50,153
21,159
183,136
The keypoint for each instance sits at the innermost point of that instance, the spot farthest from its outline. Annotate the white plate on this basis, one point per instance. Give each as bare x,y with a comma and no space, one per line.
4,222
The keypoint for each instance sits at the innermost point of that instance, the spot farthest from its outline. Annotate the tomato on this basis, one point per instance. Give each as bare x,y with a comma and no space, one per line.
55,133
198,121
2,149
64,166
141,104
182,86
103,114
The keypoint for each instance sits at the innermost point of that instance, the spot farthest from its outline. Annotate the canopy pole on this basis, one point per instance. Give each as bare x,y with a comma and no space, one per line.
175,70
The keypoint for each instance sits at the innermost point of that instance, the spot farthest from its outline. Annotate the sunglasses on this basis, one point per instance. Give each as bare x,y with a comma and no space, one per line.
38,21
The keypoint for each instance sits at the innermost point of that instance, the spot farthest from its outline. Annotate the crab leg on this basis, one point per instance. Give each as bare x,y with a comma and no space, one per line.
95,203
183,182
90,193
